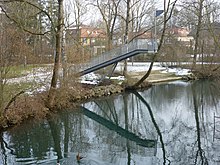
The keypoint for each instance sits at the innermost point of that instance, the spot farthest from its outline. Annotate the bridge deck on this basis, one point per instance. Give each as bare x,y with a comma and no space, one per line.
121,53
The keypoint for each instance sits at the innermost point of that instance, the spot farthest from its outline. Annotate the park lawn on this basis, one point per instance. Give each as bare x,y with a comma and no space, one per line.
21,70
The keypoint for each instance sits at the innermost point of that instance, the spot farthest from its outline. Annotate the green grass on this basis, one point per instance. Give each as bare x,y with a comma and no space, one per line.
10,90
19,71
17,87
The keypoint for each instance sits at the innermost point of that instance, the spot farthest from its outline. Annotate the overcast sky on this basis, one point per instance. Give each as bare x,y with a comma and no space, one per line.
95,15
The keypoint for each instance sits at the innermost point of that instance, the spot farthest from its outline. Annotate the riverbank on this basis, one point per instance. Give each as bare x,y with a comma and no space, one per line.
32,106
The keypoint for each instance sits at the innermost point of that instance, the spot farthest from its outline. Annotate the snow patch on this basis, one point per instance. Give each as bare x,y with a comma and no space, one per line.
42,76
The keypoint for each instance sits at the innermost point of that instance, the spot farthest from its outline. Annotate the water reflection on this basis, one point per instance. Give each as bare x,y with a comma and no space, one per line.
167,124
155,125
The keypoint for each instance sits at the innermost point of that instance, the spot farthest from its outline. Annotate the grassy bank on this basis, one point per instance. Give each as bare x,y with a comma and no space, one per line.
32,106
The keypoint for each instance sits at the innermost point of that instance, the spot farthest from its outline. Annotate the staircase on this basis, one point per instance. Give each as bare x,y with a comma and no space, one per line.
135,47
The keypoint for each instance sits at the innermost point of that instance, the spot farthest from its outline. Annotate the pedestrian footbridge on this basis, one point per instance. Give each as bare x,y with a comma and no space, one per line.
133,48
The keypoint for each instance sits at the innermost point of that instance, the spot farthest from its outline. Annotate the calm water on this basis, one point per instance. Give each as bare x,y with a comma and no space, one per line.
170,123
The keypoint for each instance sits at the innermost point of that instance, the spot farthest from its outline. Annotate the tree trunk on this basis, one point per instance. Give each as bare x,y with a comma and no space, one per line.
1,97
59,32
126,34
198,32
166,19
159,47
109,40
64,59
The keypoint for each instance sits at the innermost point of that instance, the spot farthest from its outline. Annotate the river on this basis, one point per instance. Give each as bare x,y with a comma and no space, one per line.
172,123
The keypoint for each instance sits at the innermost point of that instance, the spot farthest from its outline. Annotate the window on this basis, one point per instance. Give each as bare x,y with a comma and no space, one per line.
93,40
84,40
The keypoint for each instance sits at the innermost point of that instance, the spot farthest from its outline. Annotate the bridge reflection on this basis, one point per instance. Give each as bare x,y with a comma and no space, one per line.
169,123
121,131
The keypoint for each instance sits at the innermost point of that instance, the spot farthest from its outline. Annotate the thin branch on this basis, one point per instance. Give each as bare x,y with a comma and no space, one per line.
143,32
140,34
33,5
11,101
20,26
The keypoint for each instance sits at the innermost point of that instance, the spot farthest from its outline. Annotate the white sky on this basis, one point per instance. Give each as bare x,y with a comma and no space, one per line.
94,13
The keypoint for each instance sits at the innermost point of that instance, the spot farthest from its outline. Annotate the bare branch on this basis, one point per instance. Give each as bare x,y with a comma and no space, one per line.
20,26
33,5
11,101
140,34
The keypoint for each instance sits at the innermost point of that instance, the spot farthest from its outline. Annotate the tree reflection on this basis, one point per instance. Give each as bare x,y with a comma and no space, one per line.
155,125
25,143
200,152
125,98
56,133
4,148
110,106
124,129
66,134
116,128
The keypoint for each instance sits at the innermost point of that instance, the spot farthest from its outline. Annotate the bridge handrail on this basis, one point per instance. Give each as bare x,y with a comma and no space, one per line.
148,45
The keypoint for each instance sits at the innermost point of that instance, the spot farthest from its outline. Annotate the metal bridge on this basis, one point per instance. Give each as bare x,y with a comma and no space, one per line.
133,48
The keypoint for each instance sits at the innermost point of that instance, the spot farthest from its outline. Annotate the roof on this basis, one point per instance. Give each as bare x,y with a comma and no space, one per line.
142,35
178,31
88,31
205,30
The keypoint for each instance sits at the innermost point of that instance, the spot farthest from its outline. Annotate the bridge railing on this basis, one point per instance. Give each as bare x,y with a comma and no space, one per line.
149,45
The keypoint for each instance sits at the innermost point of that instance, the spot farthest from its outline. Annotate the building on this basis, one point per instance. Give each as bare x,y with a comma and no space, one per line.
179,34
87,36
209,34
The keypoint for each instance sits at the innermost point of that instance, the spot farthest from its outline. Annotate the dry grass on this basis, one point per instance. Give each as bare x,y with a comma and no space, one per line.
24,108
27,107
34,107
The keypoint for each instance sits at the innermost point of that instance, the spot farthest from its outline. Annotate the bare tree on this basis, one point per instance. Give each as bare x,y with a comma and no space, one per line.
127,21
141,15
201,16
134,21
59,33
212,13
57,28
77,10
199,26
11,51
109,12
168,9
